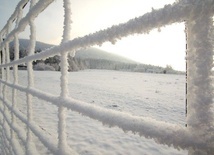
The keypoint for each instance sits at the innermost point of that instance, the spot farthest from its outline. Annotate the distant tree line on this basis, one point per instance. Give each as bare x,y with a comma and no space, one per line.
76,64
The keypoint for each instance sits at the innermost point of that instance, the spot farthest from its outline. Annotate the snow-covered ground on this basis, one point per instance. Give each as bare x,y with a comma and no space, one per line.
159,96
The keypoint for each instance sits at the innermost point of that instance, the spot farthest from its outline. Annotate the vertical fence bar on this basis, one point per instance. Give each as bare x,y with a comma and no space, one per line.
7,53
15,79
3,95
200,89
186,101
1,40
1,118
15,82
30,146
62,143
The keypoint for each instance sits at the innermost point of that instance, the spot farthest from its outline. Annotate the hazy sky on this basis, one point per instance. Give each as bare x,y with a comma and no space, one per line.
166,47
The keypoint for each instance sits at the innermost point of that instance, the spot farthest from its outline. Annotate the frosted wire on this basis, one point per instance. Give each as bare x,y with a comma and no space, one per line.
141,125
47,141
30,146
14,91
200,118
62,142
7,133
14,143
31,15
200,87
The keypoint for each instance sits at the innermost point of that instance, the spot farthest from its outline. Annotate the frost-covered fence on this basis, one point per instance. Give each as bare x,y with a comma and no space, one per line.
197,137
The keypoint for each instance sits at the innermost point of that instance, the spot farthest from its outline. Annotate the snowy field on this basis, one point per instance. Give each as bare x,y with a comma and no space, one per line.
159,96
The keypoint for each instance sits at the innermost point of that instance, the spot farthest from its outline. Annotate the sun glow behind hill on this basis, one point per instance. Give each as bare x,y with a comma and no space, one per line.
161,47
95,53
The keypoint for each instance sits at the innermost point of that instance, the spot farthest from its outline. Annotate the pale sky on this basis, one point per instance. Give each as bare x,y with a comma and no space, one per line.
166,47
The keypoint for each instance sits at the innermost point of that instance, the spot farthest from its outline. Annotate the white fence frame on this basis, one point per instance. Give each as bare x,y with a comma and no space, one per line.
197,137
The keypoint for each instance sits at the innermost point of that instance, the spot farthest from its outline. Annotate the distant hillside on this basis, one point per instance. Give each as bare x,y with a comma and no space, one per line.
24,43
89,53
90,58
94,53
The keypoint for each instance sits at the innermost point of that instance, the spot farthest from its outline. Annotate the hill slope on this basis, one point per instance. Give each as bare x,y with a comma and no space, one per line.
94,53
89,53
24,43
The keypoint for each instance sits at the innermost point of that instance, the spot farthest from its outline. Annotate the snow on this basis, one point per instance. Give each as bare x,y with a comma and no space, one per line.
42,66
121,91
138,94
